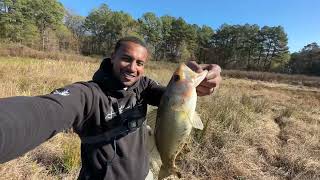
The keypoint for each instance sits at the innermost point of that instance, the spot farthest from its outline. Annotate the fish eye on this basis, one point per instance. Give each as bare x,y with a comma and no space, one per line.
176,77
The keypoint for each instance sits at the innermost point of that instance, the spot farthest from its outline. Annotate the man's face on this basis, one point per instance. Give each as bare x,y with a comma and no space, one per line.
128,62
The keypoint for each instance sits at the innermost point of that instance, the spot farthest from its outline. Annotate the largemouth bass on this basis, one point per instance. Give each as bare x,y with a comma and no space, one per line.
176,116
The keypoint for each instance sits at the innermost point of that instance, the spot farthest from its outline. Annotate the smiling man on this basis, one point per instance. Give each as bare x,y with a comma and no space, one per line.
128,62
108,114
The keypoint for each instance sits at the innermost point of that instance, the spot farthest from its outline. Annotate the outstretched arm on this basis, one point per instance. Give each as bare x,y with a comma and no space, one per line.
26,122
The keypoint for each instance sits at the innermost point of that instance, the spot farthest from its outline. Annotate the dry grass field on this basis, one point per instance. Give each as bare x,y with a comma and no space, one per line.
253,129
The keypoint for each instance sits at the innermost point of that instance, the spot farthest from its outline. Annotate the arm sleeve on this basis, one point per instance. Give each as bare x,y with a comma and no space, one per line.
26,122
154,92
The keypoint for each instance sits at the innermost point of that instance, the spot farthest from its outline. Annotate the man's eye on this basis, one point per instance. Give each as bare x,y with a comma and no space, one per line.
140,64
126,59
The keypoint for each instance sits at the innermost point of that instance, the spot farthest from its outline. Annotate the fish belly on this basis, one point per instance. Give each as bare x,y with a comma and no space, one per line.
171,134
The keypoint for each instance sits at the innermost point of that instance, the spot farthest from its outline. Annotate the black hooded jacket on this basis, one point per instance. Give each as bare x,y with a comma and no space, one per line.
93,109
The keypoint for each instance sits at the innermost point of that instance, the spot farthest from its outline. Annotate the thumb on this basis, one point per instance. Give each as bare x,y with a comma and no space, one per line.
194,66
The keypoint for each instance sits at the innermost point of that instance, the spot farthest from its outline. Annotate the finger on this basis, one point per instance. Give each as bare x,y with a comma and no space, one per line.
208,84
213,71
214,82
210,67
194,66
202,91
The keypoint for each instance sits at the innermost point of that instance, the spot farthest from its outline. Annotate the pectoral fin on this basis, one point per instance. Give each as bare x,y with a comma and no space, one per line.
196,121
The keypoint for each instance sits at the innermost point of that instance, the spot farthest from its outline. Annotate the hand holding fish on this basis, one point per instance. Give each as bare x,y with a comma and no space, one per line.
212,80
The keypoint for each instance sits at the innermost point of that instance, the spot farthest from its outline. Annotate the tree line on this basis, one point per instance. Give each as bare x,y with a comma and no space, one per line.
47,26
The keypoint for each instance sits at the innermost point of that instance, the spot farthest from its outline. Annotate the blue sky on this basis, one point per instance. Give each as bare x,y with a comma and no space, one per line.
300,18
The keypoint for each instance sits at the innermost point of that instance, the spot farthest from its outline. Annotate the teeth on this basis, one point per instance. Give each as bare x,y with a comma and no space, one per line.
130,75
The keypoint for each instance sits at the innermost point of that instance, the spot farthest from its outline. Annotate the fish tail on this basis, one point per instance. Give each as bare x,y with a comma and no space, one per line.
163,173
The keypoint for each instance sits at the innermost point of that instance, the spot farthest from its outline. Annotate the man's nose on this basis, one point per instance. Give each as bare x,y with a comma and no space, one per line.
133,66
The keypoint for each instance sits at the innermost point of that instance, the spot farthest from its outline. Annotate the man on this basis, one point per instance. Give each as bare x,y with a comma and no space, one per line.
107,114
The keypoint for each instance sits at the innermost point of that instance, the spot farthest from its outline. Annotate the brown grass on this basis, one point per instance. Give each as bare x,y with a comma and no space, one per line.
302,80
19,50
253,129
25,76
278,140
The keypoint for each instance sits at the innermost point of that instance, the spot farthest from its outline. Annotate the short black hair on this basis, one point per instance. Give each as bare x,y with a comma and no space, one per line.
133,39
